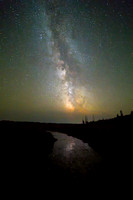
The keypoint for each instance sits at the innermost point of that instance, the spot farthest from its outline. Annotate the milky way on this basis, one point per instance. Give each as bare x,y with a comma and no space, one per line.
66,58
61,60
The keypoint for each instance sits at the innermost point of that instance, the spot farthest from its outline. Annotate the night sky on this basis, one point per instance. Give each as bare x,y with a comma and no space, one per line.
63,59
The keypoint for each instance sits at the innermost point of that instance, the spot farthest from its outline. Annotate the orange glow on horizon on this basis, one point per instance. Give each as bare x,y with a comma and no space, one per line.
69,106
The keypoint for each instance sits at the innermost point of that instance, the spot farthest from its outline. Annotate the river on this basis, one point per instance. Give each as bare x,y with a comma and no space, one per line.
74,157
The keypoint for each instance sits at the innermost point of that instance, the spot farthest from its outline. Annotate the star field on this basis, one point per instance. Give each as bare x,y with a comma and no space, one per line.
61,60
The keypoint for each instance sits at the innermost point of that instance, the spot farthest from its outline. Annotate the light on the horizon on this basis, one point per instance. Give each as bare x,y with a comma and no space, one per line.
69,106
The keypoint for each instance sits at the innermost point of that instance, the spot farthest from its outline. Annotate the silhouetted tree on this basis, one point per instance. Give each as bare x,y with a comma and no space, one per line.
121,113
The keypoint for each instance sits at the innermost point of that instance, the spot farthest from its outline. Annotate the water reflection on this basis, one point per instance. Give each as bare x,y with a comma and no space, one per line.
70,146
73,154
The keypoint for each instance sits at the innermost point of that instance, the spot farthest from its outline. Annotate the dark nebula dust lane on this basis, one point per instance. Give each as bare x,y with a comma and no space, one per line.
61,60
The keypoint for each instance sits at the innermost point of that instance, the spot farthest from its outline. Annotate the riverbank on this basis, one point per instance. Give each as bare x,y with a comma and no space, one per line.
112,139
26,148
100,135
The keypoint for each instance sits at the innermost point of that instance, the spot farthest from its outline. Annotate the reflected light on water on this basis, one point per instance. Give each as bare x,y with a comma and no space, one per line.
73,154
70,146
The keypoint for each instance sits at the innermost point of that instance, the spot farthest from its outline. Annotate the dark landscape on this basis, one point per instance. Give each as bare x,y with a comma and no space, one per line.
26,147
